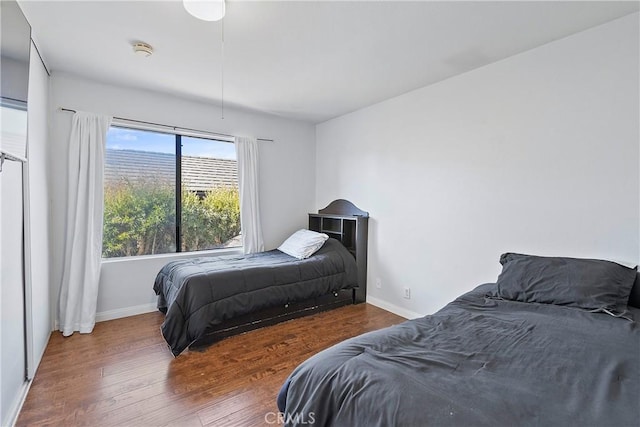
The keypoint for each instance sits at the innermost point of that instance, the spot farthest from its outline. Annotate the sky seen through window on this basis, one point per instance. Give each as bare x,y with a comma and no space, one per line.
133,139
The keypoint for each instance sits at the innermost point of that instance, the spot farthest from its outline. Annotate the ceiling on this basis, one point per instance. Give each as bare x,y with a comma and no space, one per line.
309,60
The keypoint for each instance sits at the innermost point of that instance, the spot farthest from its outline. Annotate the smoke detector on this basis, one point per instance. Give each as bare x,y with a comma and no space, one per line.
142,49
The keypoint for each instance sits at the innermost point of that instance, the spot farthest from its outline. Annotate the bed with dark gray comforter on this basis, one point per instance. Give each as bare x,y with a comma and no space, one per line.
200,293
481,360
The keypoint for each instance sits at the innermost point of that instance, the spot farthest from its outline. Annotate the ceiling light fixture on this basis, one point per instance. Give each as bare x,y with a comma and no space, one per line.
142,49
207,10
211,10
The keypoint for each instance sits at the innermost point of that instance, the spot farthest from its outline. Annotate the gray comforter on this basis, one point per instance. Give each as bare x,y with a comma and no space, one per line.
478,361
200,293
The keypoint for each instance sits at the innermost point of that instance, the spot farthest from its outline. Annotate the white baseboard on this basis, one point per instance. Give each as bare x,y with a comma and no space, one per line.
125,312
15,409
149,308
407,314
38,359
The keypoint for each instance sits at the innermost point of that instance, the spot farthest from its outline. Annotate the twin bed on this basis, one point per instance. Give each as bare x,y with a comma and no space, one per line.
555,341
206,299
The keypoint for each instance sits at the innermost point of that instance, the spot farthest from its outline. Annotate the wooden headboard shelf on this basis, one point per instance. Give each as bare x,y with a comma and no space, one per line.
343,207
347,223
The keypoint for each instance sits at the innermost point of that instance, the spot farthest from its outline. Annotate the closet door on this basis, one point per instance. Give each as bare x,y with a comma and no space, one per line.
13,345
15,335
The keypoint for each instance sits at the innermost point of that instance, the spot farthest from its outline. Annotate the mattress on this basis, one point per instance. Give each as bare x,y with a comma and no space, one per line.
478,361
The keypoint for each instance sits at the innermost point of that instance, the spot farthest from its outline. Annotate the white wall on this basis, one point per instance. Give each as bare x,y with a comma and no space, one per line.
287,174
537,153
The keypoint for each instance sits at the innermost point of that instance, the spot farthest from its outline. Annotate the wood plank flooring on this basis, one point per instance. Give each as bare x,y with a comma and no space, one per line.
123,373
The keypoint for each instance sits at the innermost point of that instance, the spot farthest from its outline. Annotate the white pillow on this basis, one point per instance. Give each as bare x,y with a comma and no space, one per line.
303,243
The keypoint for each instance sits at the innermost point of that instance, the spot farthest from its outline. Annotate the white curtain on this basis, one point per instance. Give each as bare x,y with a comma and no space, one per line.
247,153
83,232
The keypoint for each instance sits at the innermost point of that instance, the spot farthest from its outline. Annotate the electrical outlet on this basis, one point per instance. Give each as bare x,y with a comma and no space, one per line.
378,283
407,293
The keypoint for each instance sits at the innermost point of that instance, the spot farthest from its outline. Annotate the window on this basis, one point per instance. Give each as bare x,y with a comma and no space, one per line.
168,193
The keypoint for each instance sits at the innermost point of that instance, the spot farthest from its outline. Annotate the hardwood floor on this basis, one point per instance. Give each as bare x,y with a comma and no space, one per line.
123,373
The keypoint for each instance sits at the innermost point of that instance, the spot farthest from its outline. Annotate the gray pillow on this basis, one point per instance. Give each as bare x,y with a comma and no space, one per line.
585,283
634,297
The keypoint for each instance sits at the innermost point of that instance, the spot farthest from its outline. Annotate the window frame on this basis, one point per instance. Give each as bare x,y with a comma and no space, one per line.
178,133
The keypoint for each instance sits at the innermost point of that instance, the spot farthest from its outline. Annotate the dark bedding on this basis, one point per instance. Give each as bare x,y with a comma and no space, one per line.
478,361
199,293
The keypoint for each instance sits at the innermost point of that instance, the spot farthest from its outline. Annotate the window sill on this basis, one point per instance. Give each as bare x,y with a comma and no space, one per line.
175,255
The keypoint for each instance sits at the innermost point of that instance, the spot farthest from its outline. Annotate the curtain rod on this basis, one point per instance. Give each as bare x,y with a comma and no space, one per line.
170,127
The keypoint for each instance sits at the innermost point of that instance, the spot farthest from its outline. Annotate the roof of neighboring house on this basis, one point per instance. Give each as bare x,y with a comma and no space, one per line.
205,173
198,173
